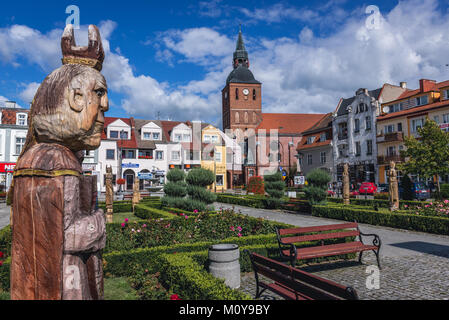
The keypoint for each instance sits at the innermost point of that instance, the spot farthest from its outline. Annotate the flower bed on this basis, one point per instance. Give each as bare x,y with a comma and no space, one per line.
398,219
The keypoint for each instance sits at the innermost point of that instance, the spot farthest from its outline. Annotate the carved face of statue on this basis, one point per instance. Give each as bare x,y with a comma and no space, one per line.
76,119
88,100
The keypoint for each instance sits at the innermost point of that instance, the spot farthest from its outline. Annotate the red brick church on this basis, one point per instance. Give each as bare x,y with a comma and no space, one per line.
263,151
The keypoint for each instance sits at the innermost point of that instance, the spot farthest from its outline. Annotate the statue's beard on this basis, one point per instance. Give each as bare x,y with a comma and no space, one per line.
55,129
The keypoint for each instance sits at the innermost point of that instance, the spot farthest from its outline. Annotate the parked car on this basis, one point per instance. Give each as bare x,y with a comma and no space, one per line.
368,188
383,187
419,189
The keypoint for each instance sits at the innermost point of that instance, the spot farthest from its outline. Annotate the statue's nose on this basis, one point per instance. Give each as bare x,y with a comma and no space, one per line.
104,103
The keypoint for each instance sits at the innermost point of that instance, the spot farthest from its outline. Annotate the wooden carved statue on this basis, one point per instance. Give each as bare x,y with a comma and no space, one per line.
109,194
346,184
58,233
136,192
393,191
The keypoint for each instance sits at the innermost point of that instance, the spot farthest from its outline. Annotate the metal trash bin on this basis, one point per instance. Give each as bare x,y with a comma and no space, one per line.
224,263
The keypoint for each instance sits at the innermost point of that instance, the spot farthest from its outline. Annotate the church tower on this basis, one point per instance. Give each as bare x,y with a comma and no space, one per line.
242,96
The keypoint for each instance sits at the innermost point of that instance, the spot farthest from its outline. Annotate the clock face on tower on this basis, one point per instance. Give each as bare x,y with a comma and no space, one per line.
245,92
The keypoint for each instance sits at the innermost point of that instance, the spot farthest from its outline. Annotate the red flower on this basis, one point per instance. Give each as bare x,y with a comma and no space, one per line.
1,254
174,297
1,263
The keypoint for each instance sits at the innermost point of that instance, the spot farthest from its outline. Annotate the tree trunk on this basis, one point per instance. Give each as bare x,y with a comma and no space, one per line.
438,185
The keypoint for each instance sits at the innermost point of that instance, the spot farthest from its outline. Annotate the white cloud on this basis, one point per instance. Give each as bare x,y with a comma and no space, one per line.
30,90
306,73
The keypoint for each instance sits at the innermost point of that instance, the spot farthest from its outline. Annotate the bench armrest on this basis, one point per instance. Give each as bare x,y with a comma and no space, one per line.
376,241
286,246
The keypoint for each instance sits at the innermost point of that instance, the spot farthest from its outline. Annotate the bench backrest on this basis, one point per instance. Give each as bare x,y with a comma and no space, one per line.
308,285
293,235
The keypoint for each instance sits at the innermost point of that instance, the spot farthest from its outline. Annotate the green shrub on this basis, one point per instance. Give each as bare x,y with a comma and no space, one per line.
444,190
189,204
274,186
316,190
395,219
176,175
201,194
200,177
175,189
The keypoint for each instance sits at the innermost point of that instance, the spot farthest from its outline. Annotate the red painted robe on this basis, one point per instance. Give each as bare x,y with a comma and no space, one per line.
57,235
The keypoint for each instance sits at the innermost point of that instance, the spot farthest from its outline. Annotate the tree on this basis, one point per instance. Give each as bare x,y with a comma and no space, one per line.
428,154
407,192
274,186
175,189
316,190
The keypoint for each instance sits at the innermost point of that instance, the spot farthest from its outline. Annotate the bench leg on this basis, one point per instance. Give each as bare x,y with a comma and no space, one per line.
360,256
378,258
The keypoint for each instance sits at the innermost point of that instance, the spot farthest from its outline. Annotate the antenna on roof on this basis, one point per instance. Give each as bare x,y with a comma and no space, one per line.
158,115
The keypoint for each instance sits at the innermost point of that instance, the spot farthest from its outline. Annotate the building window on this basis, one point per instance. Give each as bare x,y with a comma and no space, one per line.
175,155
22,119
342,130
186,137
113,134
421,100
146,135
446,94
128,154
236,93
178,137
368,123
110,154
145,154
218,156
159,155
323,137
309,159
369,147
322,157
357,148
124,135
356,125
400,127
156,136
19,145
310,140
254,94
391,151
389,128
416,124
219,180
446,118
237,117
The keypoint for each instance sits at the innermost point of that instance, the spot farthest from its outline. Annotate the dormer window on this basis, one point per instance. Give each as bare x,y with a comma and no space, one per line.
323,137
113,134
21,119
310,140
422,100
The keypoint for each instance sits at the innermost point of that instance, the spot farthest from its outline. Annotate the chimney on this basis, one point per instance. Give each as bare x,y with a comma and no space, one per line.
403,84
426,85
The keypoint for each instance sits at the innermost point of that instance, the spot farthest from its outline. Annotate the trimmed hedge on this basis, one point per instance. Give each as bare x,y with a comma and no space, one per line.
146,212
437,225
380,203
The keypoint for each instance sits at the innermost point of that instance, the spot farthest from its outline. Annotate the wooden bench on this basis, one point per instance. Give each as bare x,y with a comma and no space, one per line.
288,237
294,284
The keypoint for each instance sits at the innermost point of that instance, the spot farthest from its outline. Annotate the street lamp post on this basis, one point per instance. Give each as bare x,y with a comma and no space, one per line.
279,149
290,144
233,159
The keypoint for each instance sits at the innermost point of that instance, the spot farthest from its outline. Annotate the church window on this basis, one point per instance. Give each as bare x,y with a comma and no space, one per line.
237,117
236,93
254,94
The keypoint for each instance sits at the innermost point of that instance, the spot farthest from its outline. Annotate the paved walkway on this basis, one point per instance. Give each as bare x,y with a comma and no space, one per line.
415,265
4,215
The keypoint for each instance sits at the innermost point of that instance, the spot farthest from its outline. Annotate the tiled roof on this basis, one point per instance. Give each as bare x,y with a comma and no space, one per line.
143,144
121,143
291,123
346,102
415,110
9,115
323,125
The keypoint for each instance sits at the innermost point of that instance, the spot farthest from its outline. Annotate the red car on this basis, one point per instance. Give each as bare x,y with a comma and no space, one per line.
368,188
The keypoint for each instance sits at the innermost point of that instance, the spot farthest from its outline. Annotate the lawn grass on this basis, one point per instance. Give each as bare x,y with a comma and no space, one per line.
114,289
118,289
120,217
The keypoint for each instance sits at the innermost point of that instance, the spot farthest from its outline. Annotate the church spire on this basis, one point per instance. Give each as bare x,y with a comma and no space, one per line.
240,53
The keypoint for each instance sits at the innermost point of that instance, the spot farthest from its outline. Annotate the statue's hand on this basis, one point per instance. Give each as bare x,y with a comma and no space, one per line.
87,234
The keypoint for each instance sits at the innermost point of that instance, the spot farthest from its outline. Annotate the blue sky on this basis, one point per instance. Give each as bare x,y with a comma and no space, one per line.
172,57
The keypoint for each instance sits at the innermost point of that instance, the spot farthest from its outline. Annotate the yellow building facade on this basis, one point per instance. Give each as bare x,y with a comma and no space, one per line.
213,156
